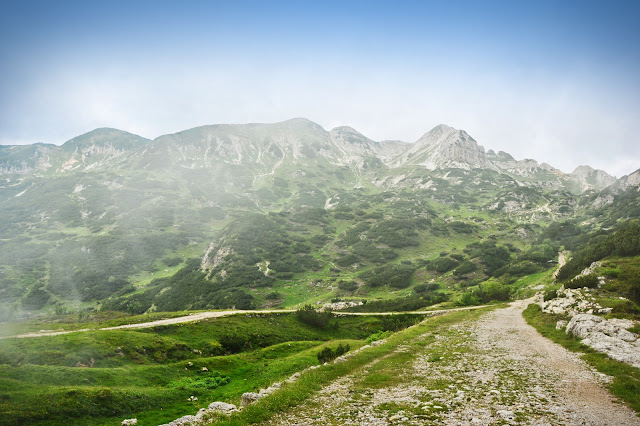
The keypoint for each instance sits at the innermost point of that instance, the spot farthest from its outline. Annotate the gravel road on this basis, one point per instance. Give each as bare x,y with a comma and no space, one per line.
497,370
216,314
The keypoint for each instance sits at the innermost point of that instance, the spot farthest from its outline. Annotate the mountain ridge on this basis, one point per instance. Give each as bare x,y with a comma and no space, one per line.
441,147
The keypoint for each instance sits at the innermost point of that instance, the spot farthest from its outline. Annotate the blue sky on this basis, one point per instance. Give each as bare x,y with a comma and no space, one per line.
557,81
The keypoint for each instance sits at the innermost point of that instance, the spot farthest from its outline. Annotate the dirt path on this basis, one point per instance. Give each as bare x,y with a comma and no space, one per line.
217,314
562,259
495,370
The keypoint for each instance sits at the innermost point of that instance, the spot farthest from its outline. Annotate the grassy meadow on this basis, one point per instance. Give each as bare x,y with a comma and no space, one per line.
101,377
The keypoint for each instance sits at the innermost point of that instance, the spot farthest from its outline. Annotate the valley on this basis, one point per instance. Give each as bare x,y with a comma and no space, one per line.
149,278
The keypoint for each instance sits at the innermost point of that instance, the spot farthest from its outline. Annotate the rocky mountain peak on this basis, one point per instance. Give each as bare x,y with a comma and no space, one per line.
444,146
589,178
102,138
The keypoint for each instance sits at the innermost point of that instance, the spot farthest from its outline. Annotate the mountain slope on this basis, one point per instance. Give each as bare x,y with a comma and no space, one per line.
108,212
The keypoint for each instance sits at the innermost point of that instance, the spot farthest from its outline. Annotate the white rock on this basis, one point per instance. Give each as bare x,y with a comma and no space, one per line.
129,422
221,406
250,398
293,377
183,421
610,337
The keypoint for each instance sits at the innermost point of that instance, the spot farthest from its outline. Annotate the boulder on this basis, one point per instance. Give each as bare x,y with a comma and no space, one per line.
129,422
183,421
222,406
293,378
251,397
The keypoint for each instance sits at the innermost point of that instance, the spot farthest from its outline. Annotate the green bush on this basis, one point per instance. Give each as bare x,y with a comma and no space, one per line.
328,355
625,241
172,261
425,288
611,272
347,285
399,321
626,307
211,380
347,260
465,267
233,342
469,299
442,264
630,280
378,336
397,276
589,281
401,304
550,294
274,295
308,315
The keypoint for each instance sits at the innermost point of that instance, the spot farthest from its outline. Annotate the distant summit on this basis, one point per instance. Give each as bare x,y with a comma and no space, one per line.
268,147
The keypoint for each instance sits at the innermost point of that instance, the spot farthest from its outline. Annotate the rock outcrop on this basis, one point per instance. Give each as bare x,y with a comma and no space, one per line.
609,336
572,302
204,414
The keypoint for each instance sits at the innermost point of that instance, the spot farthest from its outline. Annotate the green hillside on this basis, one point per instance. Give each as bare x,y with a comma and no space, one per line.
266,215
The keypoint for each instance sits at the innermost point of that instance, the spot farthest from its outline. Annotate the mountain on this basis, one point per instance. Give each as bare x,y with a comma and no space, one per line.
631,181
444,146
225,215
588,178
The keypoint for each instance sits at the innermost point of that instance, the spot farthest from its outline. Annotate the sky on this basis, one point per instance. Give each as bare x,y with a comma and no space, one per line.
556,81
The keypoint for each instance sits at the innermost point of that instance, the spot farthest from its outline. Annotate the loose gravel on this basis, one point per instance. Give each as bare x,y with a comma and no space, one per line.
497,370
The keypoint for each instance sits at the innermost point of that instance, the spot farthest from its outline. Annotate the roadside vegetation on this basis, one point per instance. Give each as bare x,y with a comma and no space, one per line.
102,377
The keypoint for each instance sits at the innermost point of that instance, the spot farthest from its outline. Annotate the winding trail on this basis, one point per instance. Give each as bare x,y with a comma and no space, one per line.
562,259
497,369
217,314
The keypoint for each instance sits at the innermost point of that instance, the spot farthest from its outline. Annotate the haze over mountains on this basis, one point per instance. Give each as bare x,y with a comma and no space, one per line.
269,145
113,215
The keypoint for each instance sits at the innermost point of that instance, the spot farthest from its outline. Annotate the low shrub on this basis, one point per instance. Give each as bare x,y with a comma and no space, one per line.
425,288
626,307
172,261
611,272
328,354
233,342
469,299
378,336
399,321
589,281
442,264
550,294
274,295
347,285
211,380
308,315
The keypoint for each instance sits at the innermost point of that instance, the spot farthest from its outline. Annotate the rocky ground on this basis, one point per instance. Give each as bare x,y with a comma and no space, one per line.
495,370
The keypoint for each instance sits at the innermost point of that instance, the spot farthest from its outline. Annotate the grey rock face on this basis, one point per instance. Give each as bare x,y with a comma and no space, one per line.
609,336
589,178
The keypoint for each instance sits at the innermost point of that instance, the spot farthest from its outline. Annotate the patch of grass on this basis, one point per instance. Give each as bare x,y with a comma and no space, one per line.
150,374
626,379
